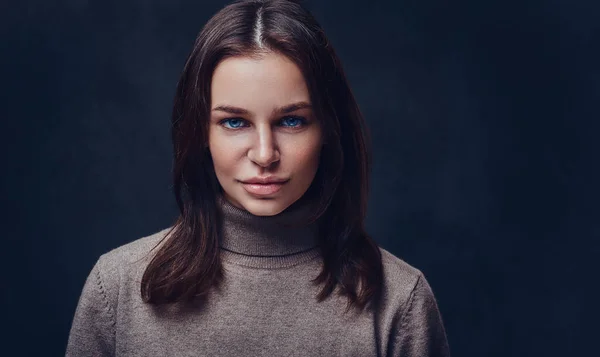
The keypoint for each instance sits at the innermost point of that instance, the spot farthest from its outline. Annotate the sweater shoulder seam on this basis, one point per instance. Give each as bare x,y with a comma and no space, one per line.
408,304
104,296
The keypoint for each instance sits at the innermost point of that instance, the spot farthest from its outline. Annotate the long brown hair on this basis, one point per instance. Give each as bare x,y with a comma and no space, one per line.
188,263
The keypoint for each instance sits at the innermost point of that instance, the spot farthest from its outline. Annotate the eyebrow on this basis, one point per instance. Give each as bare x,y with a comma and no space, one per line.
283,110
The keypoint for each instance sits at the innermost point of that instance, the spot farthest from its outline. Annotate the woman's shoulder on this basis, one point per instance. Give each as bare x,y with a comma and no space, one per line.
136,249
400,278
397,268
409,302
116,275
129,259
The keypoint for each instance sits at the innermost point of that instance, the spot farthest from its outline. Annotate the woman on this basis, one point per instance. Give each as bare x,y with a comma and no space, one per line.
269,256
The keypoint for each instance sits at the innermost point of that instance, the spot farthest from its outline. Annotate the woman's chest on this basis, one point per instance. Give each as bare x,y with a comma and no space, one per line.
237,321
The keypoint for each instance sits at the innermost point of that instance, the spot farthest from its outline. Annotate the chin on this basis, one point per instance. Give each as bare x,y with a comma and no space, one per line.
261,206
264,207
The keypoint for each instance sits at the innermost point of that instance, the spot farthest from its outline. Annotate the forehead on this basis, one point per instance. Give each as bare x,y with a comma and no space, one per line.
258,84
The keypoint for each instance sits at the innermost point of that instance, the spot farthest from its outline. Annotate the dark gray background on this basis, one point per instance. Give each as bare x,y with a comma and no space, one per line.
483,114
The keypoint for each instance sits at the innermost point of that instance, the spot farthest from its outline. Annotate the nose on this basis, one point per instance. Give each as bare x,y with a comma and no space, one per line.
264,152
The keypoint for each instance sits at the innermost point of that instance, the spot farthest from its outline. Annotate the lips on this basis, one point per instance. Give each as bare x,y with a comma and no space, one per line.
265,180
263,189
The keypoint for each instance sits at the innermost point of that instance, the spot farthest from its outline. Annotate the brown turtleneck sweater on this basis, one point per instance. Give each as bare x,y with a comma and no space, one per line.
266,306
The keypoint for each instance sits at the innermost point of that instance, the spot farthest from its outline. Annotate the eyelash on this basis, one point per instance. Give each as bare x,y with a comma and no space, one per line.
302,121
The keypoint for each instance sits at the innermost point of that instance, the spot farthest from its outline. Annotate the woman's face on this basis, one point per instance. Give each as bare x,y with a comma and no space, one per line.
262,126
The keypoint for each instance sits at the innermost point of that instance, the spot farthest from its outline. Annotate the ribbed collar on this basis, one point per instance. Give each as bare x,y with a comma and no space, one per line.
268,241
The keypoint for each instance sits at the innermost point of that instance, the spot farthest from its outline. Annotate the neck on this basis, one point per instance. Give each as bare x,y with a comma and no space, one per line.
257,240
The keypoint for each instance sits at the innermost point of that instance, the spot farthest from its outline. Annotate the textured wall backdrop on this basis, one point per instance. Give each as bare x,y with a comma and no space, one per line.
483,115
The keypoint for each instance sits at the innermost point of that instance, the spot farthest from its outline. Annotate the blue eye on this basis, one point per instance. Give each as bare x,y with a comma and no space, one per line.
298,120
288,122
236,122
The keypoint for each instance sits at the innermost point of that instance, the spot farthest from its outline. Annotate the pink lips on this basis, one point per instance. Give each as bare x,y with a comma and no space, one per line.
262,189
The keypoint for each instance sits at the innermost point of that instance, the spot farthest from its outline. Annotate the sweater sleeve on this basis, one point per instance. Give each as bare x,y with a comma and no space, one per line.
93,329
420,331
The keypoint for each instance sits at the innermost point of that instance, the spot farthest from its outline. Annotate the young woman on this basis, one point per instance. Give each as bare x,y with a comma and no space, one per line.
269,256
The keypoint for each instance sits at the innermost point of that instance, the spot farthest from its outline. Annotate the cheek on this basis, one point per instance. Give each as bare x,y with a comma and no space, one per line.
219,157
304,157
222,154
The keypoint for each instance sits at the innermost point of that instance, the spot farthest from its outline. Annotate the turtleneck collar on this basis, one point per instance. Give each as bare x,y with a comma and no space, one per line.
275,241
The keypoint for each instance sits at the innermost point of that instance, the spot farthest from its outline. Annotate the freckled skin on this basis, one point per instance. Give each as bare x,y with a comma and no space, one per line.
262,142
